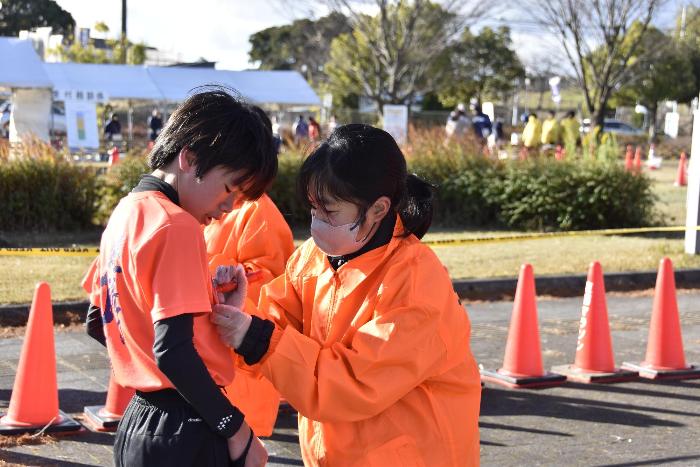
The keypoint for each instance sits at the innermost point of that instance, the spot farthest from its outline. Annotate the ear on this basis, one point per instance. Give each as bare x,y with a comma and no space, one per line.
186,160
379,209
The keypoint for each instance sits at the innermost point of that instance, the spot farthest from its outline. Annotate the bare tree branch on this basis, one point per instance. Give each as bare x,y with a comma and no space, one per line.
597,38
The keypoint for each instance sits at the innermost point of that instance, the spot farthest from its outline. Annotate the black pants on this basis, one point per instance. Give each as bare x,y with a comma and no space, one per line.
161,428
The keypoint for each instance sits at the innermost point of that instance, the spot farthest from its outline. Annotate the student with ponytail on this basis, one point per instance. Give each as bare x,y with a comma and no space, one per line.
363,334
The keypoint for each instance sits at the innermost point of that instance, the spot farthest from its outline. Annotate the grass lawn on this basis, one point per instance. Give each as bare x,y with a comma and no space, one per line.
480,260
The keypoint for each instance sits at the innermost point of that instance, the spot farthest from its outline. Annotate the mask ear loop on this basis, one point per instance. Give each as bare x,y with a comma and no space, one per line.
368,234
359,221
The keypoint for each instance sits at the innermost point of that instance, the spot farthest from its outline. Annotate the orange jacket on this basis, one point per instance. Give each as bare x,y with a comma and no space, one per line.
375,357
256,235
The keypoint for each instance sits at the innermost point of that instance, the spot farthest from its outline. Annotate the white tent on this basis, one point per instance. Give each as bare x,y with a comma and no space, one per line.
274,87
176,83
113,81
22,72
260,87
21,66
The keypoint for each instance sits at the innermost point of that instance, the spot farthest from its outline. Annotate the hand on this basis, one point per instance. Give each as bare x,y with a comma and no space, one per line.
257,454
231,323
227,274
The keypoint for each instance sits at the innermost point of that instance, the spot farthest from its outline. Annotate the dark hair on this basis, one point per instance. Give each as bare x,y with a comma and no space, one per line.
359,163
221,130
570,114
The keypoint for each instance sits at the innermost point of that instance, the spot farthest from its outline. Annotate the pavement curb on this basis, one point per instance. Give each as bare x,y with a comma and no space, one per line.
570,286
467,289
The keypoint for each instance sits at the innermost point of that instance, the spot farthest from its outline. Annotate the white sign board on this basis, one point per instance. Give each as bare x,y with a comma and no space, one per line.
692,219
671,124
396,122
81,125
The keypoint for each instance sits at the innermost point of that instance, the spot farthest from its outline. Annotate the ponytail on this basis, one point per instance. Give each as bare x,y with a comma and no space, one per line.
417,211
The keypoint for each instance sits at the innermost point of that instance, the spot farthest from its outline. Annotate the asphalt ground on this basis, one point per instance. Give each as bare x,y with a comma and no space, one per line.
631,424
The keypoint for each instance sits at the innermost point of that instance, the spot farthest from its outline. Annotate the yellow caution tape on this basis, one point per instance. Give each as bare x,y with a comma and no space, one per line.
92,251
544,235
50,251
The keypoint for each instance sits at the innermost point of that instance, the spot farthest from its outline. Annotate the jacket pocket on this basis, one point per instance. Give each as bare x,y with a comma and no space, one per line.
400,451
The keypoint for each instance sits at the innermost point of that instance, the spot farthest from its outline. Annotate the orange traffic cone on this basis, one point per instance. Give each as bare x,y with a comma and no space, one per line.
558,153
628,158
638,160
681,178
522,364
113,157
34,400
665,358
594,361
106,417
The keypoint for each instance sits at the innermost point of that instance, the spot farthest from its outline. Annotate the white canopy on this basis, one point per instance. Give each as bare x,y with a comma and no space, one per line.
114,81
21,66
176,83
274,87
261,87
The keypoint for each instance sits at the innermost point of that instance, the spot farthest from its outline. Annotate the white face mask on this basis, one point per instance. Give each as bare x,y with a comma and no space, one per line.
337,240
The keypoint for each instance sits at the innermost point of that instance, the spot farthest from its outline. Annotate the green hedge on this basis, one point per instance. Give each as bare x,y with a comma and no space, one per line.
46,194
117,183
546,195
473,191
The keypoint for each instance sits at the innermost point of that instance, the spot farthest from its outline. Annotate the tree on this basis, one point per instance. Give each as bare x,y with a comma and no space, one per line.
480,66
303,45
660,72
594,36
687,37
117,51
392,56
17,15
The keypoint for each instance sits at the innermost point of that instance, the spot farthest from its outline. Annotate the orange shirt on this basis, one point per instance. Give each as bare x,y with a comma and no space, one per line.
375,357
153,265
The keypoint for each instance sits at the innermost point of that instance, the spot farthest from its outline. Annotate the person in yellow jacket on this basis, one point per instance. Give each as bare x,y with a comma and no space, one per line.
255,235
551,130
570,129
532,132
364,334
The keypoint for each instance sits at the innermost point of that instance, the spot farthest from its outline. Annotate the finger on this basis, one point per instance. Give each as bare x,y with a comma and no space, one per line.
227,311
239,273
218,274
222,321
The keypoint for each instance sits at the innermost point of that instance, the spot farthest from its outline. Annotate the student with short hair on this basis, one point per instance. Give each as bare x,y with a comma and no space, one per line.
364,334
154,292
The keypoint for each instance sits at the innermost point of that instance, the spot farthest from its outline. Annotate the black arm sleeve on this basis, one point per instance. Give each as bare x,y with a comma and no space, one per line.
177,358
256,341
93,324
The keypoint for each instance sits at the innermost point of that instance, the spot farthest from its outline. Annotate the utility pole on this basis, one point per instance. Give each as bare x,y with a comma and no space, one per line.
123,36
683,14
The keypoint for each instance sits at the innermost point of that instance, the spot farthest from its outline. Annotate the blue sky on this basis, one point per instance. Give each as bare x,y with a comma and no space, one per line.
219,29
